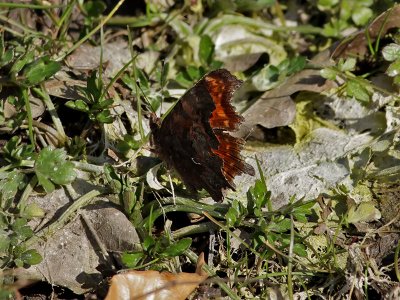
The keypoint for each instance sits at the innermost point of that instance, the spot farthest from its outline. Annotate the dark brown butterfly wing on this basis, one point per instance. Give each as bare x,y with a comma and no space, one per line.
194,140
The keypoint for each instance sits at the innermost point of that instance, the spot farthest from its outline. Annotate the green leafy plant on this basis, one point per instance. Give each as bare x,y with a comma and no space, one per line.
342,14
153,93
391,53
207,62
94,104
38,71
354,86
6,55
155,250
15,152
14,230
51,167
23,68
92,11
276,229
236,213
12,249
10,183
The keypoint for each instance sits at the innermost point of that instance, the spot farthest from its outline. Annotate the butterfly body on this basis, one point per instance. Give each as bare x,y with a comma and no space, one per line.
194,137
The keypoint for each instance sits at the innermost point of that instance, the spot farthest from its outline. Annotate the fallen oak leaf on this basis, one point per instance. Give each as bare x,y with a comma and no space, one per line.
146,285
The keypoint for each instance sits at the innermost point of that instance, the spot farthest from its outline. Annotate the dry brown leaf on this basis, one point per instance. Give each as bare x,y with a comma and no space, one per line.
146,285
87,57
276,108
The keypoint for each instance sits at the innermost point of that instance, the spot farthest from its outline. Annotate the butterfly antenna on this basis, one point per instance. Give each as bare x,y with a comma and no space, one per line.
249,133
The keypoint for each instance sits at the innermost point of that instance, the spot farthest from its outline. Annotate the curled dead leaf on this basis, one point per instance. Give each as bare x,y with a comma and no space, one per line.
145,285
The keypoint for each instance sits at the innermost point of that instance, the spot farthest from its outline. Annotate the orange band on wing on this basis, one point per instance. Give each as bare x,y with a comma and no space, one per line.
224,115
229,151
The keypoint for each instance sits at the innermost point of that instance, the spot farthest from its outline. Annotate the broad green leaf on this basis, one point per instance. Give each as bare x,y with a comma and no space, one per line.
183,80
21,62
231,216
6,294
262,193
78,105
206,49
396,80
347,65
280,226
259,197
9,186
391,52
238,207
40,70
22,230
300,250
148,243
81,105
361,15
178,248
19,262
128,143
52,166
394,68
215,64
335,27
7,57
130,260
105,117
329,73
94,8
193,72
18,223
45,183
305,208
31,257
300,217
113,178
143,80
293,65
356,90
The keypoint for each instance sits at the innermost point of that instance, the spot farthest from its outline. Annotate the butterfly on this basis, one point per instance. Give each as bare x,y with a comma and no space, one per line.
194,138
